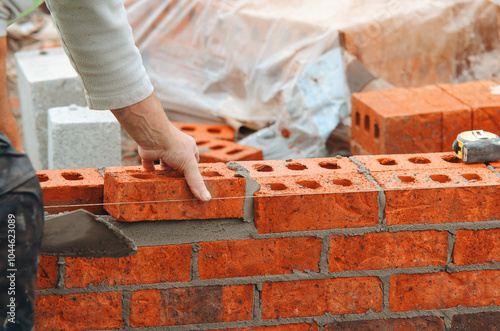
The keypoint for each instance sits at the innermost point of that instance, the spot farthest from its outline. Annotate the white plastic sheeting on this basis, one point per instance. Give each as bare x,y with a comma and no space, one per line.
274,62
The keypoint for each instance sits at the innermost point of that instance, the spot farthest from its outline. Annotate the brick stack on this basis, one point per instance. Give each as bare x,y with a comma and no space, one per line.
421,120
387,241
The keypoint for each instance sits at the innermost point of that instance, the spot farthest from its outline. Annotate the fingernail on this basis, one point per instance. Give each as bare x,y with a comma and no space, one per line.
206,196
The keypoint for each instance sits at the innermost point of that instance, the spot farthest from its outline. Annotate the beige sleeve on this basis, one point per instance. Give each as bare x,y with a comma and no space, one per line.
99,42
9,10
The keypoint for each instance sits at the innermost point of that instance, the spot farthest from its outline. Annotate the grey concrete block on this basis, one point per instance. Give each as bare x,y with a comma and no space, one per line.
82,138
46,79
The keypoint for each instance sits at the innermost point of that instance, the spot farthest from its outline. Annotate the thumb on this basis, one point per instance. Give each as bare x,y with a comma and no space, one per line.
195,182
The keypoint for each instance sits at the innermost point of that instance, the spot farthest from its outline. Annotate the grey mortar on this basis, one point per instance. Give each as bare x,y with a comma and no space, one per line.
493,170
251,186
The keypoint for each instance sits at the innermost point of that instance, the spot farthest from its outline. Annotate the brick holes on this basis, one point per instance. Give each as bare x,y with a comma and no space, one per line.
308,184
451,158
263,168
296,166
213,130
406,179
187,128
202,142
276,186
358,119
234,151
329,165
72,175
217,147
142,176
440,178
42,178
387,161
376,130
367,123
419,160
471,177
341,182
209,173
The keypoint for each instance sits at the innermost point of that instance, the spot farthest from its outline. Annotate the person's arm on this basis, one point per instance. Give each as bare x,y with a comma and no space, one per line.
8,123
98,40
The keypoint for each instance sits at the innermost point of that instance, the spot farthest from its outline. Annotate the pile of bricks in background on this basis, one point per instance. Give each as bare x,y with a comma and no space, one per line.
368,242
421,120
215,143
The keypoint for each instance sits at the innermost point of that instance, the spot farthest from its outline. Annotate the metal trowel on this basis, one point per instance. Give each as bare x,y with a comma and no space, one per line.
83,234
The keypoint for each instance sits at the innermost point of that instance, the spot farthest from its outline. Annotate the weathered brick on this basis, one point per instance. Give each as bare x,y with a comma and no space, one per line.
240,258
388,250
157,264
216,150
316,297
425,161
413,324
208,130
71,187
282,327
83,311
318,202
191,305
47,272
444,290
357,148
476,246
440,195
476,322
137,195
485,105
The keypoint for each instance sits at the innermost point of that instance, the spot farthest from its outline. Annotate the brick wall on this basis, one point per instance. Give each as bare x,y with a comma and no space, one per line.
389,242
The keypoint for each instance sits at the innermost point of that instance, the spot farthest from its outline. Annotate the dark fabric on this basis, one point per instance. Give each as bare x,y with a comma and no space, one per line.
21,228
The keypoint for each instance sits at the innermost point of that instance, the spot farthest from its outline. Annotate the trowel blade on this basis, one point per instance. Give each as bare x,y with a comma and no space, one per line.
83,234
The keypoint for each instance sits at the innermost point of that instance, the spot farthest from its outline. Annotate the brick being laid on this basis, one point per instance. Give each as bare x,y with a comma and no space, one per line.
65,190
133,195
214,131
216,150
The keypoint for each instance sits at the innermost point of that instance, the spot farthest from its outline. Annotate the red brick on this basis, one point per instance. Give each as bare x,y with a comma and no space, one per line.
357,148
388,250
175,201
444,290
476,246
216,150
428,161
240,258
83,311
317,297
485,106
208,130
299,167
157,264
282,327
399,324
191,305
418,196
305,203
47,272
71,187
476,322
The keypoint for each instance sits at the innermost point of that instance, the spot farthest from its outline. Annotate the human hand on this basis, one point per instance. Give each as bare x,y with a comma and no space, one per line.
158,139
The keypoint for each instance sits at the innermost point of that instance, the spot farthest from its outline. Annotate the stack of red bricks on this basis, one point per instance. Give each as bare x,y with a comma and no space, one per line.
371,242
421,120
216,143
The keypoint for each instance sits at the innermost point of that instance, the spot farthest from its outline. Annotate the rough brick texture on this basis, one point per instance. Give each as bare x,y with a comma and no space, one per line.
156,264
285,327
63,188
414,324
476,322
317,297
242,258
191,305
479,246
388,250
444,290
164,195
47,272
84,311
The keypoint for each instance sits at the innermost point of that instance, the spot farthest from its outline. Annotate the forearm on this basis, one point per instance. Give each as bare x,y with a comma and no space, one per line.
8,123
